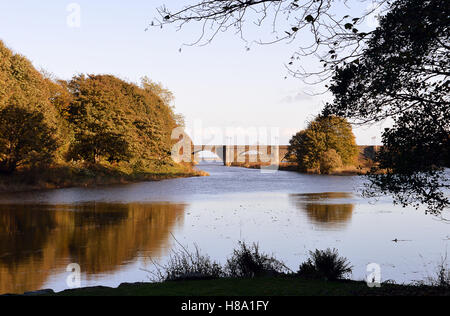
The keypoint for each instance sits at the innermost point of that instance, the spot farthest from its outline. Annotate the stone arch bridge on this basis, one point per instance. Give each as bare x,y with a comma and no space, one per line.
235,154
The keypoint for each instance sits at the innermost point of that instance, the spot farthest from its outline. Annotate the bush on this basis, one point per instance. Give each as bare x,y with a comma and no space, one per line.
248,262
185,265
330,161
325,264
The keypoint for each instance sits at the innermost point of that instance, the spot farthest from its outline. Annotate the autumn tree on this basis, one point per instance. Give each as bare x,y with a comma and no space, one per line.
25,139
115,120
310,146
166,96
30,123
330,161
23,86
94,118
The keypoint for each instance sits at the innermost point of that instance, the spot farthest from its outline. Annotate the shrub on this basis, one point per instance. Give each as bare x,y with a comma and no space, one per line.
248,262
186,265
325,264
330,161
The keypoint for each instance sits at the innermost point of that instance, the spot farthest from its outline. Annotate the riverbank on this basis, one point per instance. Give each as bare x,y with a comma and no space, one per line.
288,166
265,286
89,175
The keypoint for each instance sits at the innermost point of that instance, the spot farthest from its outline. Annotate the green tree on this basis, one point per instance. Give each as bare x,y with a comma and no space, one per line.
323,134
25,139
403,75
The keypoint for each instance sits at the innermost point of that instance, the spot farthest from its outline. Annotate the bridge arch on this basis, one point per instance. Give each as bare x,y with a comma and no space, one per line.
230,154
206,155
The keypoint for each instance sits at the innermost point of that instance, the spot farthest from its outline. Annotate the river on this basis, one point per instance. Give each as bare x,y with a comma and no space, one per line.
116,233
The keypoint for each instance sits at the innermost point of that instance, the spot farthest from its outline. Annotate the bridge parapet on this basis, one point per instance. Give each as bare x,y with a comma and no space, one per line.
245,153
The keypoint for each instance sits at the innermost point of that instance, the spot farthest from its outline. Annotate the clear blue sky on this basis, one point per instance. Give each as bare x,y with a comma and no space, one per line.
219,85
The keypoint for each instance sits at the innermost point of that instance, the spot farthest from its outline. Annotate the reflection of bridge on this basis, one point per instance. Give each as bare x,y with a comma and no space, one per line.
244,153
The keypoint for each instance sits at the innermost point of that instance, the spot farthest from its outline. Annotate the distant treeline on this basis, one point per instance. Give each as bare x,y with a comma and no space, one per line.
90,119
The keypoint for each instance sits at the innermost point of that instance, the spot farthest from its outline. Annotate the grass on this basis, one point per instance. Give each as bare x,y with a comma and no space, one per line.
88,175
262,286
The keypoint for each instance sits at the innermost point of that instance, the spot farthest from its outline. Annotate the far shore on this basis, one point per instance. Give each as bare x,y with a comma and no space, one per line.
63,176
288,166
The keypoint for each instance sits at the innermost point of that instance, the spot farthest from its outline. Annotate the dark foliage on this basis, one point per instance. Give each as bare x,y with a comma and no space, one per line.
25,139
90,147
404,75
187,265
325,264
248,262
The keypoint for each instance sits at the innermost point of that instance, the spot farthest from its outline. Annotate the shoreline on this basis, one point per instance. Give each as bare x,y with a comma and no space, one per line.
63,177
260,286
293,167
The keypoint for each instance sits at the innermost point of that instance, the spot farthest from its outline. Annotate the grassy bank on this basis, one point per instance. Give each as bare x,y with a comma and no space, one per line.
88,175
290,166
265,286
249,272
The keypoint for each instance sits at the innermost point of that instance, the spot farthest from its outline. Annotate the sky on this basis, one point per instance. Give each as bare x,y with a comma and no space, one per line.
219,87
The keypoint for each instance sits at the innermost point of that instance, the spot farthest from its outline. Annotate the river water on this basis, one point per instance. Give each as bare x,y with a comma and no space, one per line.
116,233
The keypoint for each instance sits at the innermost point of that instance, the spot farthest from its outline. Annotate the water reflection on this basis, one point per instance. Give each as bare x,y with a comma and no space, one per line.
37,240
330,210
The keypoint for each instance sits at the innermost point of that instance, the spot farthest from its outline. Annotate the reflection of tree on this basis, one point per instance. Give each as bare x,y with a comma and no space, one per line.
100,237
329,213
323,196
322,210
